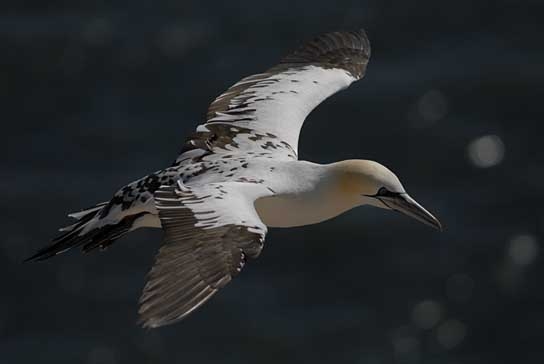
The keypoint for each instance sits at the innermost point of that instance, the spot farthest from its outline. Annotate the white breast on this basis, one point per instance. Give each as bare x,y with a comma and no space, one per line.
305,209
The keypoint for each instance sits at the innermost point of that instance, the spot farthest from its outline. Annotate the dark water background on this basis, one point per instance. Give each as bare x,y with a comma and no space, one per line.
95,94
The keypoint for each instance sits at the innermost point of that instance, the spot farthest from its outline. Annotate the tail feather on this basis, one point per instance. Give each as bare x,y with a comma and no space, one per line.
83,234
79,215
104,236
82,217
88,212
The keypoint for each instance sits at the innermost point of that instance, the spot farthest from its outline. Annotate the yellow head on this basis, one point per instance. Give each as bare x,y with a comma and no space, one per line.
370,183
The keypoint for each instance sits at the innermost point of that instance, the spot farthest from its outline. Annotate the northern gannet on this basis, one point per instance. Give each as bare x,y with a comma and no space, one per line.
237,175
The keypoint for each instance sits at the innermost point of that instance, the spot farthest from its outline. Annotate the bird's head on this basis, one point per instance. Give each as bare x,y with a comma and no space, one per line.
370,183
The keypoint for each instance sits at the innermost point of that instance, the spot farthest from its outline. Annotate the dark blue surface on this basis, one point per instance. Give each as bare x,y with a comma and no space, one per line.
94,96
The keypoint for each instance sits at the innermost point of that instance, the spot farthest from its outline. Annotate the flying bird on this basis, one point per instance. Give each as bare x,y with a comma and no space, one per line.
237,175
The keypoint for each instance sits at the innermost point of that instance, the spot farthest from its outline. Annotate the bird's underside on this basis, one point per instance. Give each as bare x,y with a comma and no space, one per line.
246,151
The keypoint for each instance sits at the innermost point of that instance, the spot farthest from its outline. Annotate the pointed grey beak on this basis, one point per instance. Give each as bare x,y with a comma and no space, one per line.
402,202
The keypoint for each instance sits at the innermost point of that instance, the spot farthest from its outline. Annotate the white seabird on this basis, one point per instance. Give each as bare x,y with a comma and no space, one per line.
237,175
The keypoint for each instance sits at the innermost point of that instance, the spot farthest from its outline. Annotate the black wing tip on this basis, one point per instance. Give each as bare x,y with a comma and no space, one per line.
349,50
42,254
34,258
58,245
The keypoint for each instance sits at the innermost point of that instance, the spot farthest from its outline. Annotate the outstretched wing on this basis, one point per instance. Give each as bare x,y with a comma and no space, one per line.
265,112
210,231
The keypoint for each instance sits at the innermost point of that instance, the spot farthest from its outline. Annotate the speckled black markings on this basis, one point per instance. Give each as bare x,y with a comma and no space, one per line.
203,169
216,142
292,153
242,111
257,137
125,197
267,98
345,50
269,145
219,135
249,180
144,188
349,51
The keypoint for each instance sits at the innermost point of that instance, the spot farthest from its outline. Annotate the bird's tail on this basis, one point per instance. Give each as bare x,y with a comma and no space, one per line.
89,232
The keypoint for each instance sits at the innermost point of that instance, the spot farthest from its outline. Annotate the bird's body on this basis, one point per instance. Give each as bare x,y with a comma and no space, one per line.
304,192
236,176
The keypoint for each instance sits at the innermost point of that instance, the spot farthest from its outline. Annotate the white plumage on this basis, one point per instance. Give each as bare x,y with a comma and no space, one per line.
236,175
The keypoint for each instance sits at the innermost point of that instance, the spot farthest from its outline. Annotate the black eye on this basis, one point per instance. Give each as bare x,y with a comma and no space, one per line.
383,192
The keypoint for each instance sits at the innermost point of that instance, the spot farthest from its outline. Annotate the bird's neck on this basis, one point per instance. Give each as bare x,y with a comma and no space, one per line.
307,193
302,177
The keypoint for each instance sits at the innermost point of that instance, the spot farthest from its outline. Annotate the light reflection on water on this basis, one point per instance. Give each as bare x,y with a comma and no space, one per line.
426,314
486,151
451,333
523,249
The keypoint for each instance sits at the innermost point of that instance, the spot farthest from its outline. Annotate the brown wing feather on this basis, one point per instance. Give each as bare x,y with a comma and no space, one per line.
237,110
194,262
346,50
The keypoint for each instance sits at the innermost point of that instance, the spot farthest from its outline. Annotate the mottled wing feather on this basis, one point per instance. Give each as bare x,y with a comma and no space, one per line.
209,233
345,50
265,112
